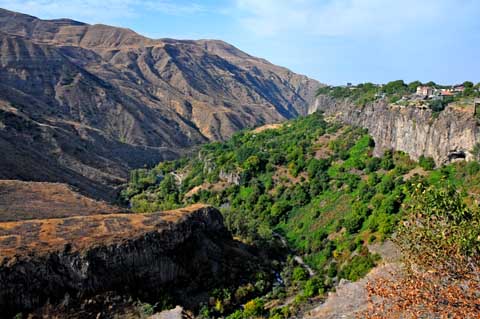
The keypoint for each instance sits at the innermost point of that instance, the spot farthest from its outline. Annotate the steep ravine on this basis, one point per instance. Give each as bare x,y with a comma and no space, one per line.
448,136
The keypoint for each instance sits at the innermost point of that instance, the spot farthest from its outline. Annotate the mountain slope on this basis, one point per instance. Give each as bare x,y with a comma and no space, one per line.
89,102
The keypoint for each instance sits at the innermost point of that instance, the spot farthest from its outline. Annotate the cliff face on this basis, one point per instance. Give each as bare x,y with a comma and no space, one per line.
183,252
449,136
97,100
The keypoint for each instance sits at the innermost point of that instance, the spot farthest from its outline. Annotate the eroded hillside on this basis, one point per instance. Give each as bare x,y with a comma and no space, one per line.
89,102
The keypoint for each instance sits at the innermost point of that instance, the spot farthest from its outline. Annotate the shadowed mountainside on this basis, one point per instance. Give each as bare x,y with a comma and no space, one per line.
89,102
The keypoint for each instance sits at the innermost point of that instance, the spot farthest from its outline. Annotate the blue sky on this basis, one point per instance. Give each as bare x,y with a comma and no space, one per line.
333,41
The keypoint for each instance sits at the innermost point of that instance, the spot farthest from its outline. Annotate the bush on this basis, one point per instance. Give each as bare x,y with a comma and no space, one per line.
427,163
299,274
253,308
354,221
373,164
358,267
147,309
386,162
439,240
437,105
313,287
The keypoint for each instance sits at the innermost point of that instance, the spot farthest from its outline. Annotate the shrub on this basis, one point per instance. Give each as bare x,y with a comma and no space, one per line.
253,308
299,274
358,267
439,240
353,222
313,287
427,163
373,164
147,309
386,162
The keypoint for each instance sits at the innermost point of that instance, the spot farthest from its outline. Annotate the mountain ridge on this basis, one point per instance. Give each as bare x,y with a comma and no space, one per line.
127,99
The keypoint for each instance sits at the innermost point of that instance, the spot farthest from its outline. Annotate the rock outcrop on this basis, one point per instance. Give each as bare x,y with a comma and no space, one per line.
447,136
183,252
89,102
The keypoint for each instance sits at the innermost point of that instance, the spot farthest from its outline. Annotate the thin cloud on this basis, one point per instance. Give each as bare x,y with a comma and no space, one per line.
104,11
349,17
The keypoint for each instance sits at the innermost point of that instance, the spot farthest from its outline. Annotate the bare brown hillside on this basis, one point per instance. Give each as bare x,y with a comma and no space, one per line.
83,104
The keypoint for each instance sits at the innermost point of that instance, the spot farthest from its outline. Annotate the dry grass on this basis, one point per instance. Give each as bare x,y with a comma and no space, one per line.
321,146
34,200
216,187
267,127
41,236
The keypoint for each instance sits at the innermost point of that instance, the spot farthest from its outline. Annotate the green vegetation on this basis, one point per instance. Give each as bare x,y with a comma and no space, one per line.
311,183
426,163
394,91
440,241
369,92
147,309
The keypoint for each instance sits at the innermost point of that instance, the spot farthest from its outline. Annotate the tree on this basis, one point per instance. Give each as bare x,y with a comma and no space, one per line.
394,87
299,274
386,162
427,163
439,239
252,164
412,86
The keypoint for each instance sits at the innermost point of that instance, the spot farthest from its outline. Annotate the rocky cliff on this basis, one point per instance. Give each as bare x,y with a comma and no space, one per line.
90,102
184,252
447,136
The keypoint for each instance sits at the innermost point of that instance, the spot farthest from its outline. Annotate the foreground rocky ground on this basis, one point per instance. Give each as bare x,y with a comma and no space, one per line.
350,299
88,264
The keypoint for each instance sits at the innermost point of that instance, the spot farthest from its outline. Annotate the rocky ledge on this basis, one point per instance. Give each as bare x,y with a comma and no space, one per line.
183,253
447,136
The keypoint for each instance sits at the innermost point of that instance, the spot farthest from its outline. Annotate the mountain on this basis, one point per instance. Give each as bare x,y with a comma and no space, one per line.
83,104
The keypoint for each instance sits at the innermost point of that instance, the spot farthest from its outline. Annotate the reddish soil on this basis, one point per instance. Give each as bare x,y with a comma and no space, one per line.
41,236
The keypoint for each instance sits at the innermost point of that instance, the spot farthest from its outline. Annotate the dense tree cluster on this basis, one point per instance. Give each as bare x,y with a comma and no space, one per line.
310,184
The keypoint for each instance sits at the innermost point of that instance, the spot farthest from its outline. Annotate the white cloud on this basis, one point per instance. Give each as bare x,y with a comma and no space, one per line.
99,11
348,17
